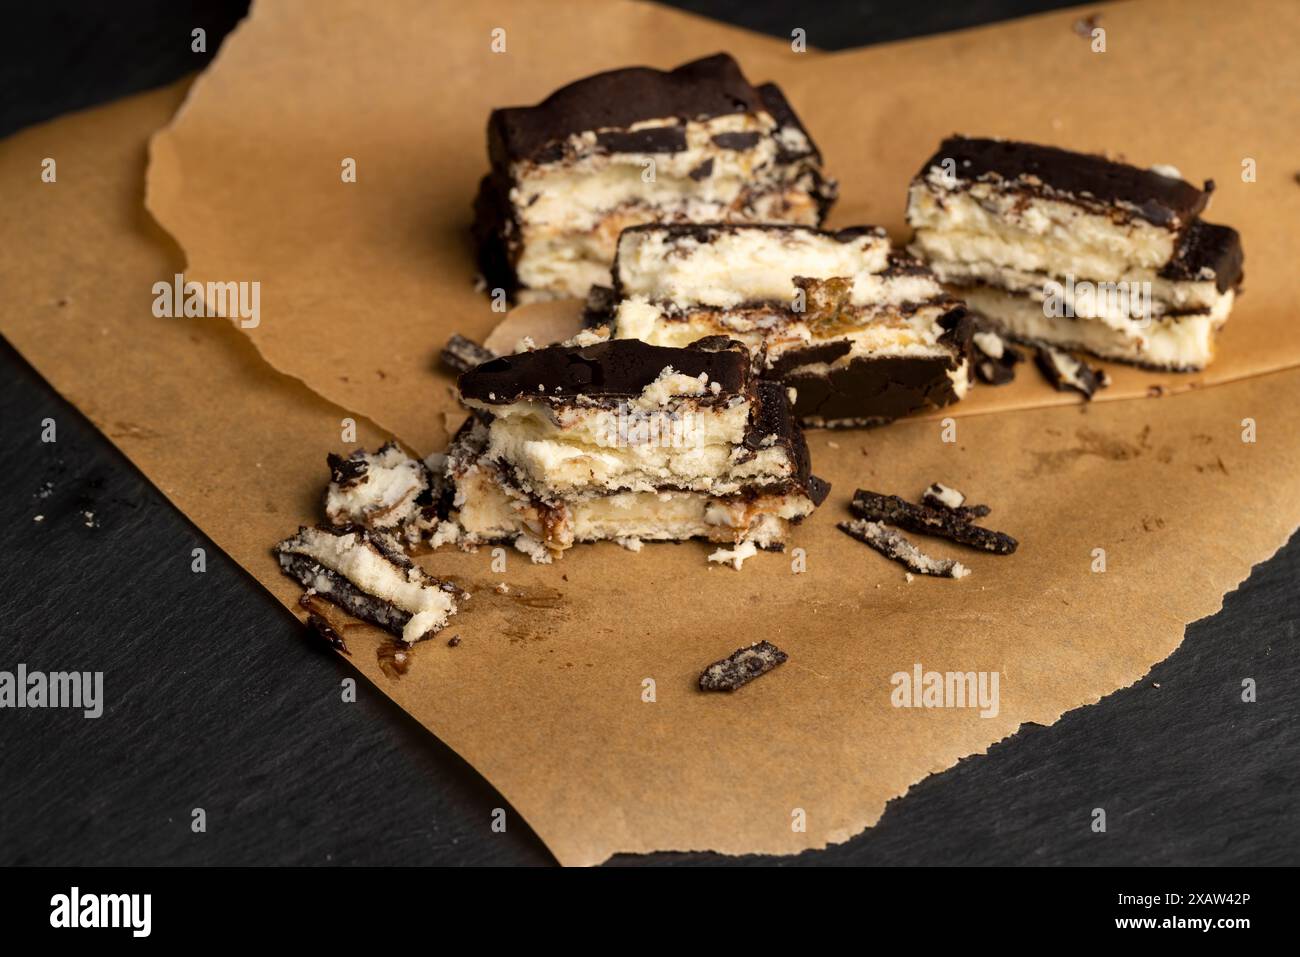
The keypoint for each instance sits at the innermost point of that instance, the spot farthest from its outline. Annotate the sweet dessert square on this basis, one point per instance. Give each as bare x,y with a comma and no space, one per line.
631,146
1077,251
625,441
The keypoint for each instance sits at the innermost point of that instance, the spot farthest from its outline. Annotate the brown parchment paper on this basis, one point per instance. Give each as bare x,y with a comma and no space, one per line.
545,694
363,282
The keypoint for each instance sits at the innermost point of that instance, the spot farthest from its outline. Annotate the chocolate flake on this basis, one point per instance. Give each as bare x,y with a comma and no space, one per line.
1065,371
895,546
995,359
319,625
741,667
461,354
943,523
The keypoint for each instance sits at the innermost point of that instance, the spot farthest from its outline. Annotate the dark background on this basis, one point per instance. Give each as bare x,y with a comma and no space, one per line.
216,700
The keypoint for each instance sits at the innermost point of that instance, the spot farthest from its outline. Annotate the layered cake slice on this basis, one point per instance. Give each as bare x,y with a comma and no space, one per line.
1077,250
861,334
629,442
694,144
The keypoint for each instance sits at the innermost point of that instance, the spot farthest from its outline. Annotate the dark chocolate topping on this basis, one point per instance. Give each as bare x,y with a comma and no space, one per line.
793,358
1084,177
872,390
1207,246
699,90
779,107
616,369
652,139
771,422
737,141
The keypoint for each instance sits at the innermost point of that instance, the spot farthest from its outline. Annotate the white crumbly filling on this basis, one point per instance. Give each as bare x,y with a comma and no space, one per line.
982,223
1183,342
488,512
552,463
735,556
372,573
668,385
989,343
883,332
1086,298
737,266
384,497
574,196
665,413
571,213
945,495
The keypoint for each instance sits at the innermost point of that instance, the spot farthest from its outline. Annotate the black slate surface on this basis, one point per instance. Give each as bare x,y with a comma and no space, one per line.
216,700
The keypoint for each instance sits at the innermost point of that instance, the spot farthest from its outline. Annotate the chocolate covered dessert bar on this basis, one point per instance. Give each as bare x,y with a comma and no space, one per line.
625,441
631,146
1077,250
861,334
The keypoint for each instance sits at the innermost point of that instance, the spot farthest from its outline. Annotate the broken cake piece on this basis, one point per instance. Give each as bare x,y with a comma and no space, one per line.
1077,250
621,441
862,335
742,666
367,574
631,146
387,490
897,547
1065,371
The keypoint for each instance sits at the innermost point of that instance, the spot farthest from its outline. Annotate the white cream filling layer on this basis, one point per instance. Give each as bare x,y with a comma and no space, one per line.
574,195
984,224
372,573
1167,295
738,266
551,463
1184,342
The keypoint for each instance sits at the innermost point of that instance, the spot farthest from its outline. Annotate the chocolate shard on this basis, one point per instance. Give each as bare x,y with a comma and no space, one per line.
461,354
995,358
898,548
741,667
319,626
892,510
1065,371
950,499
1207,250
